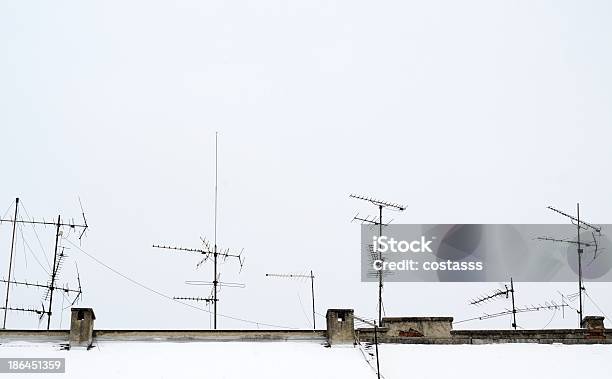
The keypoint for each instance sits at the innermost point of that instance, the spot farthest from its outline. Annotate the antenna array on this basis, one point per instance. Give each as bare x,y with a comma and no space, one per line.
531,308
496,295
210,251
377,220
58,260
580,225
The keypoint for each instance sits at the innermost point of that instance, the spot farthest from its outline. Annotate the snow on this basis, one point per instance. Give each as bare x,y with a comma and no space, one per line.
312,360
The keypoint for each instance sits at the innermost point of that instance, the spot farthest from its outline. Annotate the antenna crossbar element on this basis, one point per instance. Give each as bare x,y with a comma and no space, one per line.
32,310
560,240
49,223
27,284
290,276
494,295
373,220
576,219
179,248
220,284
377,202
206,299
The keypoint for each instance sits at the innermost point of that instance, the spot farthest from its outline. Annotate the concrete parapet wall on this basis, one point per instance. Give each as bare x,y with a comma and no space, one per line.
210,335
480,337
434,327
60,336
567,336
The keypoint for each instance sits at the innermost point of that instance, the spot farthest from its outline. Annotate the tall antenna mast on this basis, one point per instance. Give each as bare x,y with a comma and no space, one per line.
8,285
378,221
215,278
580,224
209,251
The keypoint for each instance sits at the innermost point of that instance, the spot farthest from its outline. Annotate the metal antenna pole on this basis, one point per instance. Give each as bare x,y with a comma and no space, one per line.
376,346
8,285
373,323
215,281
579,265
53,272
380,276
314,320
513,307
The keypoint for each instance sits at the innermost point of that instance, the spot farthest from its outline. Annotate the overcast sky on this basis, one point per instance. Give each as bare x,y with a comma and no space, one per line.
468,112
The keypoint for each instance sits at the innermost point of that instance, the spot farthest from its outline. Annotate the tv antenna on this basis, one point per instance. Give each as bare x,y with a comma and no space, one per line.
580,225
378,220
496,295
552,305
211,252
312,291
57,264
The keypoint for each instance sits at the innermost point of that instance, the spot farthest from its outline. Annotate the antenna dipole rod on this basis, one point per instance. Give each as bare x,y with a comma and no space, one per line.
380,275
377,202
577,219
8,285
181,249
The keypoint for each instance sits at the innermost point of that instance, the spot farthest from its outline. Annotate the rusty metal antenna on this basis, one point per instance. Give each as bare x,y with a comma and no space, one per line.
378,220
211,252
312,291
580,225
57,263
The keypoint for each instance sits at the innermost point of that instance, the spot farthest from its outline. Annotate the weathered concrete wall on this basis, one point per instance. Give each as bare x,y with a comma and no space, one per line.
57,336
210,335
565,336
340,330
435,327
478,337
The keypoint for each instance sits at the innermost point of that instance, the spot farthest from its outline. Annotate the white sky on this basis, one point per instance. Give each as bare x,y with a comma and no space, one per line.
468,112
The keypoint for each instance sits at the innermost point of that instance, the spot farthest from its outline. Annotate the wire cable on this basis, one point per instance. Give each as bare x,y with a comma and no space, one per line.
36,234
170,297
595,304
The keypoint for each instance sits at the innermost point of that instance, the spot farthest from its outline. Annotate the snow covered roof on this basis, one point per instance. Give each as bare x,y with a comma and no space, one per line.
304,359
